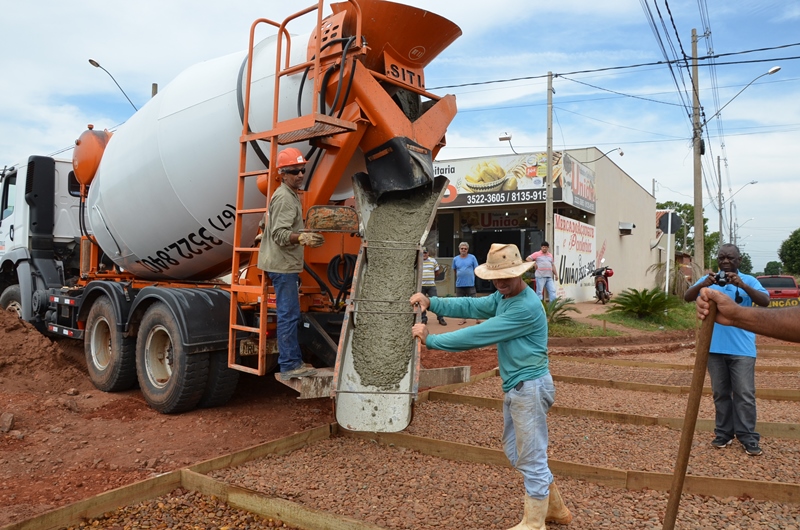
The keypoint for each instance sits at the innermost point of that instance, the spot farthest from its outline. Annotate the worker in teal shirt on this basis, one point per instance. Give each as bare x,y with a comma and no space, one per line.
515,320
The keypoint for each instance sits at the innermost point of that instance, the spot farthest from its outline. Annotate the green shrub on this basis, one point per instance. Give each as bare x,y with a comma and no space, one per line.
643,304
556,310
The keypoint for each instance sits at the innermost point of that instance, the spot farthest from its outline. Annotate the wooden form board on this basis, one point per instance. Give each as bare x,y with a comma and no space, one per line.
423,396
99,504
659,366
780,347
789,431
617,478
780,394
287,511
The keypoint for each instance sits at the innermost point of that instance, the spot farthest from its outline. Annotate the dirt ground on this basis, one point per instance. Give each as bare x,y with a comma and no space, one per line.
70,441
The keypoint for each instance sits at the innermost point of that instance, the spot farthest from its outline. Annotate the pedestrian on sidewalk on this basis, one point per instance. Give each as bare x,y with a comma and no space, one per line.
429,269
464,270
546,275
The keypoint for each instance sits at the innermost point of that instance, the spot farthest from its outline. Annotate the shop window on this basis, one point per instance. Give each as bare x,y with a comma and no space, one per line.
444,223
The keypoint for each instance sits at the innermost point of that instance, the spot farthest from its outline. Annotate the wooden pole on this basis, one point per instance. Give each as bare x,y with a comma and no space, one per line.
690,418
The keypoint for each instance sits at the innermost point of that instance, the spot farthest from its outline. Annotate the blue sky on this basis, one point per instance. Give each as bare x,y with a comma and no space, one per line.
50,91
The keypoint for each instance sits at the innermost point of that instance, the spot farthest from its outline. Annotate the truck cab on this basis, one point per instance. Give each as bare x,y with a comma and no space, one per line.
39,232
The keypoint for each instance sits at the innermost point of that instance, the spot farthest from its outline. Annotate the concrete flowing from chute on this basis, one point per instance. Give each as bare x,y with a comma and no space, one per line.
382,342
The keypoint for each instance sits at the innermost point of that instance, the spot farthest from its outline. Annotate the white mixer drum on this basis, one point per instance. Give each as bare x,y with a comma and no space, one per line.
162,204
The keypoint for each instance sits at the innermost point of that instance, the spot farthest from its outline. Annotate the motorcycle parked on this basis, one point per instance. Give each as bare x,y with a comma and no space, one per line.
601,276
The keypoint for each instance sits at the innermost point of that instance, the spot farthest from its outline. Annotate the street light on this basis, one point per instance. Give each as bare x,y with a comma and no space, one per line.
506,137
97,65
744,223
773,70
699,149
730,220
606,154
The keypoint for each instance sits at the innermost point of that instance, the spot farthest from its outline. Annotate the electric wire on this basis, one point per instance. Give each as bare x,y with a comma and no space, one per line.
638,65
620,93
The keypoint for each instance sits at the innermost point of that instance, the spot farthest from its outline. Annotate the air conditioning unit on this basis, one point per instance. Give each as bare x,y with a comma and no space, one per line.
626,229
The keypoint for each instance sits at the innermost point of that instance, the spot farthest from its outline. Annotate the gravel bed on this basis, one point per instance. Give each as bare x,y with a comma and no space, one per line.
637,402
660,376
609,444
181,509
398,488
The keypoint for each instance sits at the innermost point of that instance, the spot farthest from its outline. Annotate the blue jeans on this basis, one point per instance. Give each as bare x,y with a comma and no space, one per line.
548,282
287,300
429,290
733,384
525,433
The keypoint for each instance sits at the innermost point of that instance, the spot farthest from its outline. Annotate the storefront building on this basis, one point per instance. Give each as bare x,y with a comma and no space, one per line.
597,209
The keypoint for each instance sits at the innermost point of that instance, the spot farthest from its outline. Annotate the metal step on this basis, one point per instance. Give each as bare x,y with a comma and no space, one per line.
311,387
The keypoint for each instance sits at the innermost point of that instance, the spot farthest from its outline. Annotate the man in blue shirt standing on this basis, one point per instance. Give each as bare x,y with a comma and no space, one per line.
732,355
464,269
518,325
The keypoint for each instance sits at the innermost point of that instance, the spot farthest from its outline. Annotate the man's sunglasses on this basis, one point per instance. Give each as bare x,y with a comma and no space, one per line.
295,171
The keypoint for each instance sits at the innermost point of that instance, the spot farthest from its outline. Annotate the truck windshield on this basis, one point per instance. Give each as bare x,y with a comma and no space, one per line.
777,283
9,196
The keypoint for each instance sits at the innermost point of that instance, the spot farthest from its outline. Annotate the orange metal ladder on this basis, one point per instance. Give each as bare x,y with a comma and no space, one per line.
302,128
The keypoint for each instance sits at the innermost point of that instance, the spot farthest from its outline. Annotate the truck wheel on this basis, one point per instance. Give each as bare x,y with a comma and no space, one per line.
11,300
171,380
221,383
110,356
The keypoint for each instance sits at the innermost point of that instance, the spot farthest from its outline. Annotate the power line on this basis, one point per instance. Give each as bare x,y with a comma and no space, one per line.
562,76
637,65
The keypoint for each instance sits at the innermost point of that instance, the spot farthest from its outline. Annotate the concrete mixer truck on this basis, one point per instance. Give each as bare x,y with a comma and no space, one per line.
124,246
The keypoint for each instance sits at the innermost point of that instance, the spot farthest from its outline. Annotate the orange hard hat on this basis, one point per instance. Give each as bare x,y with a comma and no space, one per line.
290,156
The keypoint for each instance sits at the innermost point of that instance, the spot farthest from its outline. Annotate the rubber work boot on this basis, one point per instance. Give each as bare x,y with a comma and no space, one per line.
304,370
534,516
557,511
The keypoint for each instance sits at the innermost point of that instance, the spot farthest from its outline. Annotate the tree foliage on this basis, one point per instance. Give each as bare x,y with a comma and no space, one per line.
773,267
684,238
683,241
678,284
790,253
746,264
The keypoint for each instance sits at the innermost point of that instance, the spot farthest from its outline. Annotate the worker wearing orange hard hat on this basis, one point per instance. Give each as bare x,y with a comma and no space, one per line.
280,254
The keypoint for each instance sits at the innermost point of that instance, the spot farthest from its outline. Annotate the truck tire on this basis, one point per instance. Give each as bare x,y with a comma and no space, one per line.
171,380
11,300
221,383
110,356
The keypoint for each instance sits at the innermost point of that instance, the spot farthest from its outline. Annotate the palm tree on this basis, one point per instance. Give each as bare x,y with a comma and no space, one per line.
678,284
556,310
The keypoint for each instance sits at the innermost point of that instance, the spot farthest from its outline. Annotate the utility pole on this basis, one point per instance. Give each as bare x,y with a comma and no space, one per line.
730,224
699,242
548,233
719,201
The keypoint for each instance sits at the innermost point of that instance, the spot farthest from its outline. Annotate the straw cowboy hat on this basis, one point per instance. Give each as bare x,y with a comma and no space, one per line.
503,261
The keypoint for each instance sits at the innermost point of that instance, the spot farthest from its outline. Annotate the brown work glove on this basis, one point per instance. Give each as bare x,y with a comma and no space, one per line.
310,239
